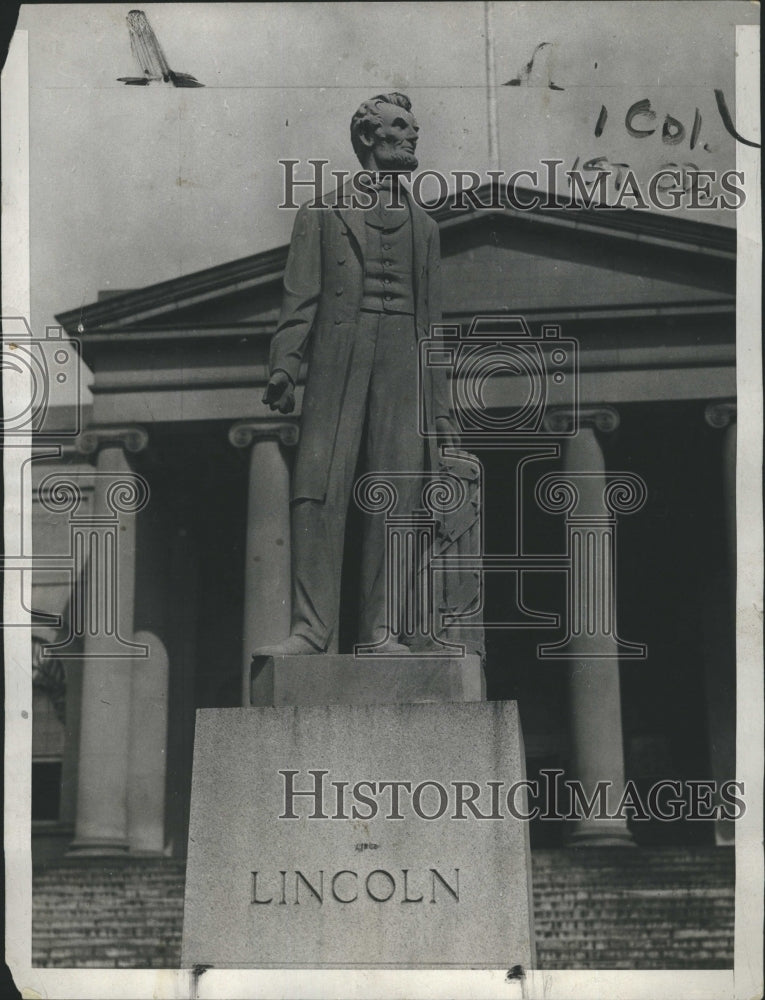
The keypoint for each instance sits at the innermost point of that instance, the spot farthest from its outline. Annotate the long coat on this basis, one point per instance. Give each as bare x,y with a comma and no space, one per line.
323,287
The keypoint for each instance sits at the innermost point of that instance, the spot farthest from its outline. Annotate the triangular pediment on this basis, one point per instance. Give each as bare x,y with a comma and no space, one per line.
498,267
539,262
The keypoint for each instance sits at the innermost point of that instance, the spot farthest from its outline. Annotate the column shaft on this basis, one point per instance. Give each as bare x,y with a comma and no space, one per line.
720,624
721,692
267,601
148,746
594,690
101,822
729,486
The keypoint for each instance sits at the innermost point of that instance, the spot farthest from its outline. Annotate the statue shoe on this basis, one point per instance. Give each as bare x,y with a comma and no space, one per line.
295,645
382,644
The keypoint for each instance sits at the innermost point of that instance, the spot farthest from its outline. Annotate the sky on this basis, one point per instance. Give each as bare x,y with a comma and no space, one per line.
134,185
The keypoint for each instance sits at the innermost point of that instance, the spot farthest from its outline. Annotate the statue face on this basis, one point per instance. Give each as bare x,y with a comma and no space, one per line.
395,140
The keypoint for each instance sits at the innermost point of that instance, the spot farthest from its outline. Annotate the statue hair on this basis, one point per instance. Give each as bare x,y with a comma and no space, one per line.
366,119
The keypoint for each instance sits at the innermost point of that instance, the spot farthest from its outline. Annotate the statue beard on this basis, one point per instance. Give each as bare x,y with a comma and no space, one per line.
395,160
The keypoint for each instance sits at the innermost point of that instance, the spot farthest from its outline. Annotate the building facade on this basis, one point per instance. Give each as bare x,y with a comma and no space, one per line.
180,571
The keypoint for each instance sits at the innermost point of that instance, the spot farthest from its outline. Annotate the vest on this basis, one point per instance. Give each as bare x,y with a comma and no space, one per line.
388,260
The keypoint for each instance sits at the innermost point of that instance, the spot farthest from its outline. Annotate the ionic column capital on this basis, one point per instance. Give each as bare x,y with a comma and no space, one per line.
562,420
244,432
64,492
721,413
133,439
590,496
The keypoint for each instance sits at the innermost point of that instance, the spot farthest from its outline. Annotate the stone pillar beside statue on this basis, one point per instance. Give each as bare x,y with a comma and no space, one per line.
720,622
102,543
267,544
591,497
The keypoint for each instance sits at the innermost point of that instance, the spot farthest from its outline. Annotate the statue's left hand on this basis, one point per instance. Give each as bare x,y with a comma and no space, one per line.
447,432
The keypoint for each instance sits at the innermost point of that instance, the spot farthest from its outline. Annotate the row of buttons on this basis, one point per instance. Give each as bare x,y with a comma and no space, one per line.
339,290
386,262
386,246
339,321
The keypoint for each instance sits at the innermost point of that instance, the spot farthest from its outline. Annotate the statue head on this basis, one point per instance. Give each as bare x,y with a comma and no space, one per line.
384,133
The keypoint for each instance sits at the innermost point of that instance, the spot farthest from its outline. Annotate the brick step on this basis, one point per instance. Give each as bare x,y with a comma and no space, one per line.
106,920
628,865
72,904
643,962
583,908
663,885
153,932
594,909
631,863
604,947
669,880
72,891
636,959
626,886
602,932
664,916
113,951
608,928
644,905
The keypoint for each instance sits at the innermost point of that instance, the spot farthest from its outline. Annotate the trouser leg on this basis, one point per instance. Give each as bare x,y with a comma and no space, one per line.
318,526
316,563
393,445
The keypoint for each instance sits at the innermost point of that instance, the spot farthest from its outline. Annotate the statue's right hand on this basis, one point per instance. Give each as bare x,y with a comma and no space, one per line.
280,392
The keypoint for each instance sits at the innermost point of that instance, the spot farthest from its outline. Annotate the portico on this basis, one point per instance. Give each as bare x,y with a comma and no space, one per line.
203,567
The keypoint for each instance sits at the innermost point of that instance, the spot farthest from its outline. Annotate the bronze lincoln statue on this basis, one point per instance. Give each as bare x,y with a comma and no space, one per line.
361,289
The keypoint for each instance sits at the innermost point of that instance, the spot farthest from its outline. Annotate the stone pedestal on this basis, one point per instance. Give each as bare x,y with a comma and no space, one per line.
344,680
349,829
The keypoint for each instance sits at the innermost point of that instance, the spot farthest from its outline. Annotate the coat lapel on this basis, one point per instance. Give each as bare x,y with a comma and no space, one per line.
419,246
353,218
419,234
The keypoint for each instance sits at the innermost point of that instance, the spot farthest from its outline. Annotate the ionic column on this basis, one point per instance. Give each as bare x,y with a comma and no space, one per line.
148,748
590,499
106,610
267,600
723,416
720,659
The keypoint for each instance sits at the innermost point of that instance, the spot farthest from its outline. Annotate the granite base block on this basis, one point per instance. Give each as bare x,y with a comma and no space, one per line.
332,836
